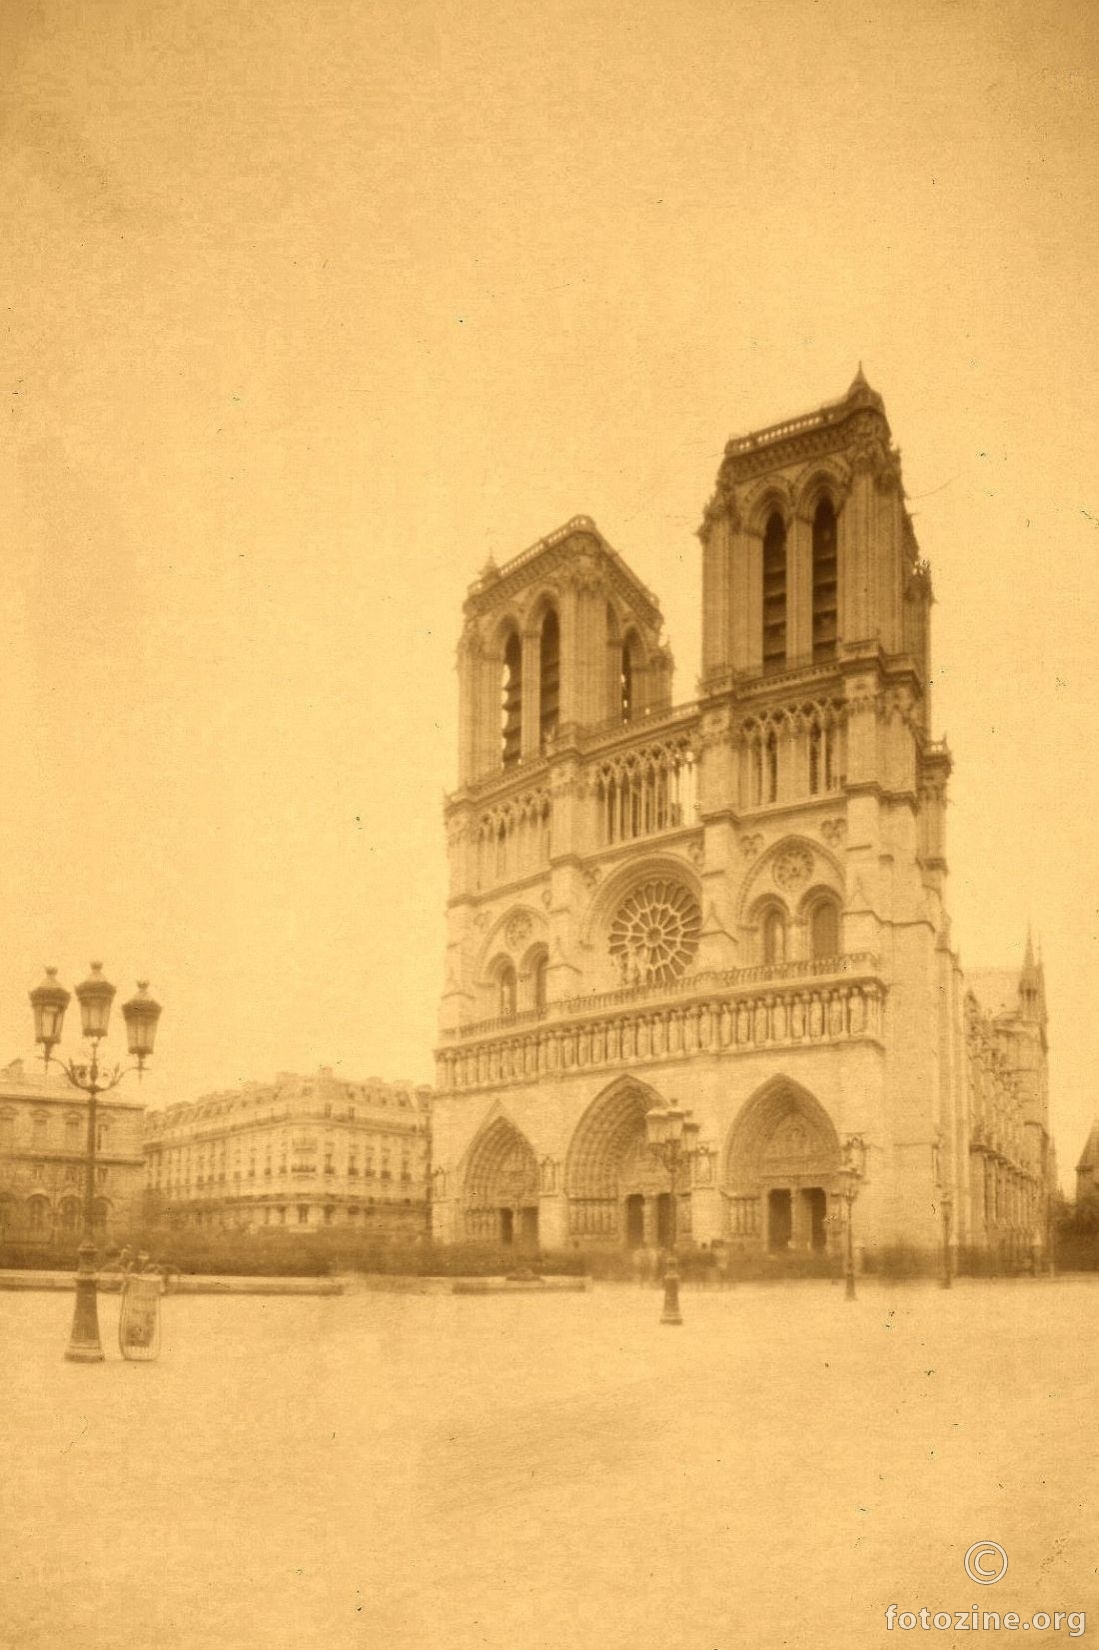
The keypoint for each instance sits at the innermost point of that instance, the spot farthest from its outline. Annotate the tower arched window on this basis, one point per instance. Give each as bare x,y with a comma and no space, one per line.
774,937
549,685
774,594
770,767
825,581
824,930
814,757
541,967
506,992
628,679
511,703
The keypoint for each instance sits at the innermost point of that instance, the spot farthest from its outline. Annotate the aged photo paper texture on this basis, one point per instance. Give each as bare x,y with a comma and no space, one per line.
547,1014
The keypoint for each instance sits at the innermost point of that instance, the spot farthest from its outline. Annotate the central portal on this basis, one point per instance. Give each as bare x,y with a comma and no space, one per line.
618,1191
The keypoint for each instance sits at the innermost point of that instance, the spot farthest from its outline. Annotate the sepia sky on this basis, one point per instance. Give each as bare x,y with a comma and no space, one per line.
310,304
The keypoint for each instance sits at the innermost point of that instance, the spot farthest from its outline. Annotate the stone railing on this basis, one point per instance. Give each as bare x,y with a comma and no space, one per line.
575,524
777,432
703,983
644,725
713,1022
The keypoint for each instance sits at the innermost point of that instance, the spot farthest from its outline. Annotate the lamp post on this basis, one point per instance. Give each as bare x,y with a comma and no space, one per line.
95,996
947,1201
670,1135
853,1170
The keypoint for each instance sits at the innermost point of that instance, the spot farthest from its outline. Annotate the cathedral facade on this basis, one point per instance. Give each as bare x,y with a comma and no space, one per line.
735,904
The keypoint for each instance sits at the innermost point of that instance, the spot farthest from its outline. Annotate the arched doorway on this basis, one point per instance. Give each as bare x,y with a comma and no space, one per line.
782,1173
500,1188
635,1220
617,1191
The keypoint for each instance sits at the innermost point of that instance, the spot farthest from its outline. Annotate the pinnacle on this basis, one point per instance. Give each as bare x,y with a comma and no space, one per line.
858,382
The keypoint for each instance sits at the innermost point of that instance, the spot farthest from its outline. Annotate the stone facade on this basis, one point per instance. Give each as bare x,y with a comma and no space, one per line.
301,1152
1087,1170
43,1150
736,903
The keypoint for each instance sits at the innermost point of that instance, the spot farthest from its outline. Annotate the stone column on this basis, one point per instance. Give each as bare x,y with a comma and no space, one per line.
706,1214
530,733
553,1220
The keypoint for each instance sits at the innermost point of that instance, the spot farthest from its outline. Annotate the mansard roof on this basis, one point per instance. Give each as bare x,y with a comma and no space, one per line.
568,549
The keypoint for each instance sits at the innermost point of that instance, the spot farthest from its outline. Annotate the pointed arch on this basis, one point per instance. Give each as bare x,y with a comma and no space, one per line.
824,478
821,867
611,893
549,677
511,698
825,580
774,592
781,1132
609,1130
770,495
500,1165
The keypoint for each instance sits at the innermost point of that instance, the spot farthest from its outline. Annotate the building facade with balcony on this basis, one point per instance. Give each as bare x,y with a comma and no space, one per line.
43,1151
736,904
302,1152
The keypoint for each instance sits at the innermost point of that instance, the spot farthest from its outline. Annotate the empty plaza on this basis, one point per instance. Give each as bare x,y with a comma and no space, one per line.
392,1469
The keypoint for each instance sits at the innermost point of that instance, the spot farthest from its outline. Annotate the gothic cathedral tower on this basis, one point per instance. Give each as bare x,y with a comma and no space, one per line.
735,903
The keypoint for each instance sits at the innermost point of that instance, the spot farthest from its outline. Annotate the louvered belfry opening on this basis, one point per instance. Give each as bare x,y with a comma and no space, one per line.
512,701
549,698
774,594
825,582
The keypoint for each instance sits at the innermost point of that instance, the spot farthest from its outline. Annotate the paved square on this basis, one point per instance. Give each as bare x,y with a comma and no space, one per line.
562,1472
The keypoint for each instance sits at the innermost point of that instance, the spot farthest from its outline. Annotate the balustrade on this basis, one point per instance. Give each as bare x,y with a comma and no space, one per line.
787,1016
706,982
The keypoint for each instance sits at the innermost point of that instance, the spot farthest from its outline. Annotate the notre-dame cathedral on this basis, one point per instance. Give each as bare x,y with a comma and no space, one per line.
736,904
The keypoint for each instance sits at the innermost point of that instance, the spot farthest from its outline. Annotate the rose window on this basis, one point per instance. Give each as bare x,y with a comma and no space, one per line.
654,933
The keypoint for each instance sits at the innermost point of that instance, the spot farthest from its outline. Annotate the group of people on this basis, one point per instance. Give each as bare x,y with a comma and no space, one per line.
130,1265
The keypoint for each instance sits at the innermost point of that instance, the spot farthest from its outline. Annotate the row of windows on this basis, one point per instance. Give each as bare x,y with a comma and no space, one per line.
824,931
825,587
548,707
72,1174
771,923
513,839
235,1103
44,1133
647,791
369,1172
549,690
507,987
811,758
209,1153
37,1215
215,1168
299,1214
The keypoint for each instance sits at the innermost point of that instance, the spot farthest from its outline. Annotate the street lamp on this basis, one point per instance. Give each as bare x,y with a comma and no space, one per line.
670,1135
95,996
853,1171
947,1202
